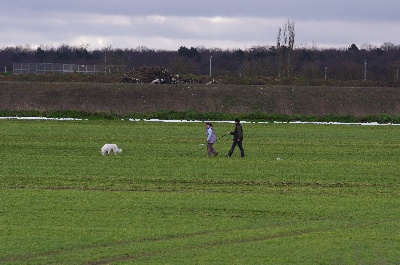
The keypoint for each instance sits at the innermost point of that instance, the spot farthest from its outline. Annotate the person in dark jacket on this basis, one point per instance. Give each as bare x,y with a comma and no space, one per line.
237,139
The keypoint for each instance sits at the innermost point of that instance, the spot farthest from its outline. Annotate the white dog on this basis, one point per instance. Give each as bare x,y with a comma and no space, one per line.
107,148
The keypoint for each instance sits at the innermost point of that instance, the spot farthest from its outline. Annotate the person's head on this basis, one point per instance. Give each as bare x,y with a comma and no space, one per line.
237,120
208,124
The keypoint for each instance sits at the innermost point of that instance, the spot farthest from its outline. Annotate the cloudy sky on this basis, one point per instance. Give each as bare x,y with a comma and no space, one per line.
169,24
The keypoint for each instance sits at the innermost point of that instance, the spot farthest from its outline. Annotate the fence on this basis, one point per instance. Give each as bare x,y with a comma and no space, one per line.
42,68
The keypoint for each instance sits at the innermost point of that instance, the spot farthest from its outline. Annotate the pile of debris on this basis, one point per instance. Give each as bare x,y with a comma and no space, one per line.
148,74
158,75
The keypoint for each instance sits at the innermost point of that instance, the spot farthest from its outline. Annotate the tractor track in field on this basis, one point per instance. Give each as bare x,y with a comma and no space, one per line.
285,234
147,254
199,246
209,186
142,255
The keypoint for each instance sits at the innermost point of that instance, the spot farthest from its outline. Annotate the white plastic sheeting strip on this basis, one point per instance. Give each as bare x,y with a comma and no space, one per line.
187,121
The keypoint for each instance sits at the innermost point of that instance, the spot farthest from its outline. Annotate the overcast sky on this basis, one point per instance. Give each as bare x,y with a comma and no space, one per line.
169,24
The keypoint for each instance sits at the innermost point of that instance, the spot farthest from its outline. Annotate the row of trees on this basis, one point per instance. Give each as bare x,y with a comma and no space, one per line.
283,60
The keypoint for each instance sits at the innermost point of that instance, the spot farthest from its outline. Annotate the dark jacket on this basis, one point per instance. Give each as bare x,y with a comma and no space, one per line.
238,132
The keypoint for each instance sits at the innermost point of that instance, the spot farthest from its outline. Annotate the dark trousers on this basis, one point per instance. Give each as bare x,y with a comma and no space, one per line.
239,144
211,150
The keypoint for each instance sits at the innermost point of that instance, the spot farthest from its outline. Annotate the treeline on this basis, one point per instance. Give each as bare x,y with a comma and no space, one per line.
308,63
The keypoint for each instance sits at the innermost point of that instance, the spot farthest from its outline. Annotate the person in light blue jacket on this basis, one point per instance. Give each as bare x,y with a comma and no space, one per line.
211,139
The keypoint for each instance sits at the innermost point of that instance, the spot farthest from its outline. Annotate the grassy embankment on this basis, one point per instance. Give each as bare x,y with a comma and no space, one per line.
332,198
201,102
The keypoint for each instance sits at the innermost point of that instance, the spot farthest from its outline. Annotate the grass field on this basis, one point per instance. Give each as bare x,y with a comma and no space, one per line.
332,198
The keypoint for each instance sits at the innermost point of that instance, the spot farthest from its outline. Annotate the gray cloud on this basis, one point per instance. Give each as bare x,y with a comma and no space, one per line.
223,24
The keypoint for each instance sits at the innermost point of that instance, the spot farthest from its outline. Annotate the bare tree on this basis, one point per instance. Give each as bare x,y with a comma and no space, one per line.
284,49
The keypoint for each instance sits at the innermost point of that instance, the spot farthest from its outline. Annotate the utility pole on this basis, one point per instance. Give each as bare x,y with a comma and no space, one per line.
210,65
105,61
365,70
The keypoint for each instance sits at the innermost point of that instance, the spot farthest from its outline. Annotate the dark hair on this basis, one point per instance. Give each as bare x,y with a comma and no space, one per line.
237,120
209,124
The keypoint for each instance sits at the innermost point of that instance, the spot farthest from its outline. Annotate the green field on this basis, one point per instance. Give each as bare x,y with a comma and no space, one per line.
332,198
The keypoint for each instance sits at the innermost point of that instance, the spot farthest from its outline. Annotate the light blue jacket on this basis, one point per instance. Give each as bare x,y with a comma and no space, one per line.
211,138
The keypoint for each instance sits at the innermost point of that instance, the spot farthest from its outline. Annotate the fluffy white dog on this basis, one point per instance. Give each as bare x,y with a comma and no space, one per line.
108,148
